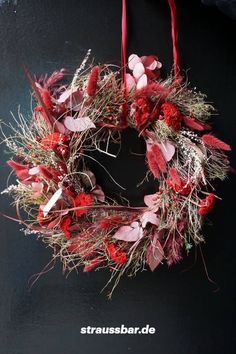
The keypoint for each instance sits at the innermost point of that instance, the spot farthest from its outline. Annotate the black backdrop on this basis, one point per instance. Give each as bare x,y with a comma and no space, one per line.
190,318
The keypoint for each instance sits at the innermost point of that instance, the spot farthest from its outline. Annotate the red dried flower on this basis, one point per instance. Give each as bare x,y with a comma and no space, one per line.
174,248
109,222
195,124
207,204
81,244
152,164
152,89
64,225
214,142
82,199
156,161
51,141
92,81
50,81
114,253
44,220
144,111
40,217
38,109
177,184
171,115
159,158
92,264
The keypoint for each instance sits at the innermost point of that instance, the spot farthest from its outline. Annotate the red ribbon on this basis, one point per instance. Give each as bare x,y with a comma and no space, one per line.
123,59
174,35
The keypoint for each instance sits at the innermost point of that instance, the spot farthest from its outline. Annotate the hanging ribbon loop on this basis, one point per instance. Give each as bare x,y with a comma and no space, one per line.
174,35
176,58
123,59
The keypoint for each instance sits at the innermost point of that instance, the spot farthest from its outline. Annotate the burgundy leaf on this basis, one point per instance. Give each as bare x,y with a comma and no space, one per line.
155,253
98,193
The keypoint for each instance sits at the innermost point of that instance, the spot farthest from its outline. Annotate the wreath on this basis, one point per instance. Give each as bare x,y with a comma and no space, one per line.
57,189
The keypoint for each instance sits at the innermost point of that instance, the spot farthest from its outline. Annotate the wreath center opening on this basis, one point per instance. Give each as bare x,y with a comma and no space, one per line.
124,177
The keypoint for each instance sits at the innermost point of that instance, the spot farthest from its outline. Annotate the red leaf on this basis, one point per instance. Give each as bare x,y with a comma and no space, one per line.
177,184
214,142
20,170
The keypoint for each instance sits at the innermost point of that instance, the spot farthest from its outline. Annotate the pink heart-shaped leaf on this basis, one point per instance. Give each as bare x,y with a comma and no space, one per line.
150,200
78,124
167,149
60,127
37,187
67,95
130,82
131,233
149,217
142,82
133,60
138,71
34,171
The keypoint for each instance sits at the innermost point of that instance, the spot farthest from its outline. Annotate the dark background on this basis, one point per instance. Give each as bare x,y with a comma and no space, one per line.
190,318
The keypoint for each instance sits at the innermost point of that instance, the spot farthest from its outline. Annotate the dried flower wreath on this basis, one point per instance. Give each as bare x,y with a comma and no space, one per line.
59,193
